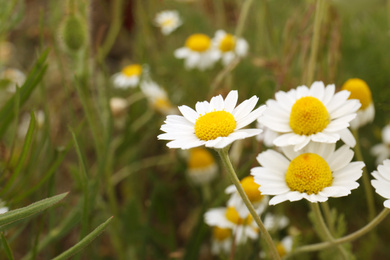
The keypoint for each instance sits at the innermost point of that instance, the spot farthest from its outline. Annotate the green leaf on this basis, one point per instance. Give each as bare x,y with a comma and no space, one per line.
84,242
7,111
6,247
17,214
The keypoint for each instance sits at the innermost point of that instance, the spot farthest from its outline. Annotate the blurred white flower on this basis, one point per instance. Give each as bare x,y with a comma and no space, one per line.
201,166
157,97
381,182
168,21
382,150
229,46
128,77
25,122
12,78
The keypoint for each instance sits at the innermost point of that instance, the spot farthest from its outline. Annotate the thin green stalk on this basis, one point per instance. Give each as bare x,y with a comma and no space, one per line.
315,42
351,237
328,216
366,179
233,176
324,229
243,15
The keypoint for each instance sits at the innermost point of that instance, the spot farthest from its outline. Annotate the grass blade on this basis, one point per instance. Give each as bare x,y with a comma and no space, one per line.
6,247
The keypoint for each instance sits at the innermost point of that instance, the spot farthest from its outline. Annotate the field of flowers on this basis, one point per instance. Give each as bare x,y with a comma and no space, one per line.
194,129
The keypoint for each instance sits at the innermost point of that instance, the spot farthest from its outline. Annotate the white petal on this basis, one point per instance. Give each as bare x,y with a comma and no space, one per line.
231,101
189,113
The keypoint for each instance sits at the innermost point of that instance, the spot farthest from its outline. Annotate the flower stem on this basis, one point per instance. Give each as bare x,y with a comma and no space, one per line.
233,176
324,229
366,179
315,42
355,235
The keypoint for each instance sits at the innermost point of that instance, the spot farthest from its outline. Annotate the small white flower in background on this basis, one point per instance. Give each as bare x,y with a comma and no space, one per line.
128,77
315,114
201,166
251,189
267,136
360,91
228,217
216,124
381,182
382,150
229,46
25,122
168,21
283,247
4,210
275,222
118,105
314,173
157,97
198,52
12,78
222,241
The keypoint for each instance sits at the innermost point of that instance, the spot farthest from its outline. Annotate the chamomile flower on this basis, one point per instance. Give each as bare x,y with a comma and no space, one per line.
222,240
157,97
228,217
198,52
216,124
284,246
168,21
251,189
118,106
314,173
360,90
229,46
381,182
128,77
382,150
316,114
12,78
274,222
201,166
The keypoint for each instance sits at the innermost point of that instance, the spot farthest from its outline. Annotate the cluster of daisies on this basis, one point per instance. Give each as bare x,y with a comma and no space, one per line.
304,125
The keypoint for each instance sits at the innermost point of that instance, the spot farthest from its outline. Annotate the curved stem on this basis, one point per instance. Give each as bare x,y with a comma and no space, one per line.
233,176
353,236
324,229
315,42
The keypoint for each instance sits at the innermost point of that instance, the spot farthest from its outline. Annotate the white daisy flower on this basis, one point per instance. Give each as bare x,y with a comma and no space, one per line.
168,21
157,97
251,189
382,150
118,106
201,166
314,173
228,217
13,78
229,46
275,222
311,114
216,124
198,52
222,241
360,91
381,182
267,136
128,77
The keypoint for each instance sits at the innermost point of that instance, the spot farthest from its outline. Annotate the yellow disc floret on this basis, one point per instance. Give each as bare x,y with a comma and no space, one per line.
308,116
228,43
359,90
232,215
198,42
281,249
221,234
200,158
214,124
308,173
132,70
251,189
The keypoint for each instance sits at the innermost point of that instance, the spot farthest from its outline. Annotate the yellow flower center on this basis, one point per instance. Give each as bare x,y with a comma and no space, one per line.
132,70
162,104
198,42
227,43
308,173
359,90
251,189
281,249
308,116
167,22
214,124
233,216
221,233
200,158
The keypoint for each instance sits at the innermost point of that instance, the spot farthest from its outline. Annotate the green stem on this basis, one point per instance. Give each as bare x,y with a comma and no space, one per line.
328,216
233,176
351,237
243,15
315,42
366,179
324,229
